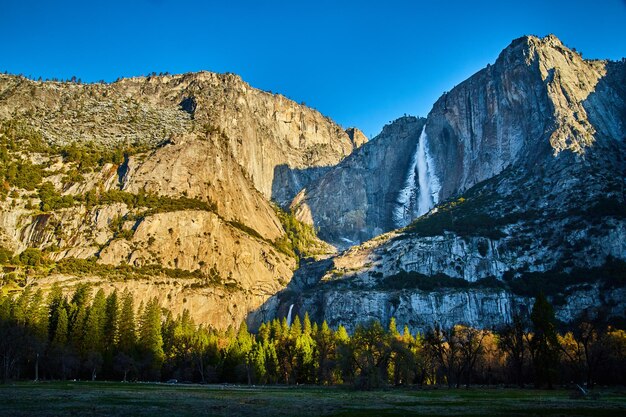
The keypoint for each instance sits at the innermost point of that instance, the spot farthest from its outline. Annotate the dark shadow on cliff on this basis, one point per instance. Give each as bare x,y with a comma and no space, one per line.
599,104
355,200
307,276
288,182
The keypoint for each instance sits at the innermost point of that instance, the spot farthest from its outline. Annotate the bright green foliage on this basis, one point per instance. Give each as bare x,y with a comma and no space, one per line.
5,255
371,352
87,337
51,199
61,330
256,361
300,240
127,327
90,157
31,257
94,325
39,316
305,353
5,308
325,354
24,174
55,301
15,137
237,358
77,314
150,337
21,307
111,321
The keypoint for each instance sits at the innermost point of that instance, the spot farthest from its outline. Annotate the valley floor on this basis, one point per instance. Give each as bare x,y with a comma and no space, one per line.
138,399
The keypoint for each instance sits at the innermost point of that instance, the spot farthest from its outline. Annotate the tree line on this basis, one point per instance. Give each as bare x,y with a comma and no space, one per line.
99,336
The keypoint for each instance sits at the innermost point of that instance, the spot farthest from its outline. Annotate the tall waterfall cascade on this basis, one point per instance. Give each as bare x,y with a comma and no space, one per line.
421,186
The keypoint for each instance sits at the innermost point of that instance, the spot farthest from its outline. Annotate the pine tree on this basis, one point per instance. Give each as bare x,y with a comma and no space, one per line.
151,339
257,363
94,324
127,340
39,317
544,344
21,307
61,330
304,350
325,348
393,329
296,328
78,315
6,305
55,300
237,361
111,321
272,365
306,324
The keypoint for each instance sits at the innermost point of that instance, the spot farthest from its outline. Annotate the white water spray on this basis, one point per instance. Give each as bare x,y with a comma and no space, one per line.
289,315
424,201
417,197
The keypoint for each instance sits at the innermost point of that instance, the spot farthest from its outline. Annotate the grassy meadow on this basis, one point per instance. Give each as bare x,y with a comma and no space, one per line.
138,399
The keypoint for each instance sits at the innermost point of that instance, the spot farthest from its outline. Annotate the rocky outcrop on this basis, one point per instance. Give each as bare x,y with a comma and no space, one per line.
201,241
357,137
202,168
538,100
221,307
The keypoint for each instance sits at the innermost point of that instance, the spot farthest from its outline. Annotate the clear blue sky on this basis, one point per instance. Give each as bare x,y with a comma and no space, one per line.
363,63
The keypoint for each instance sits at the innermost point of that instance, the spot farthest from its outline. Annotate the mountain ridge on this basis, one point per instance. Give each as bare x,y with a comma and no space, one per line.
515,178
531,193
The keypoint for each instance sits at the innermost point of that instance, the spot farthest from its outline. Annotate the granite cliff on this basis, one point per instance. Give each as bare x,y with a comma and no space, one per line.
518,186
208,193
167,180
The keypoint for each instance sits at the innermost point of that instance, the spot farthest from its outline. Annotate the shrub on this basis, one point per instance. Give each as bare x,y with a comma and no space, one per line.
300,239
5,255
611,275
31,257
51,199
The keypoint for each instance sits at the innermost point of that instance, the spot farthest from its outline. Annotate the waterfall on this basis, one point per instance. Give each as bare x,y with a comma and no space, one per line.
417,197
433,180
289,315
424,201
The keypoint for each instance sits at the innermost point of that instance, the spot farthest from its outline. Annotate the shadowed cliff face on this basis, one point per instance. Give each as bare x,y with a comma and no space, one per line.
538,100
529,156
356,200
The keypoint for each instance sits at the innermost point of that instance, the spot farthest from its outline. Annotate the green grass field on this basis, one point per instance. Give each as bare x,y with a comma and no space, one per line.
135,399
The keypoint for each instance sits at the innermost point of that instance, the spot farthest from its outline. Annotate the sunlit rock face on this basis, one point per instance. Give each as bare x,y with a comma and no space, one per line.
525,160
204,137
538,99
